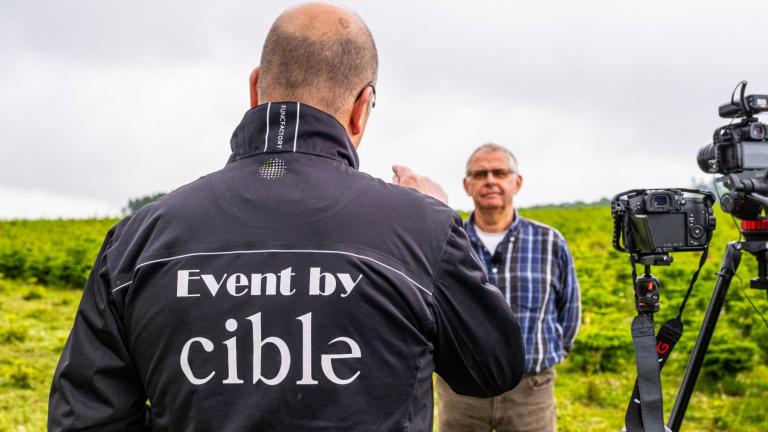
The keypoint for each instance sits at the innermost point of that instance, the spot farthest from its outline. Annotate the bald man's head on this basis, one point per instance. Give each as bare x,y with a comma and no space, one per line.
319,54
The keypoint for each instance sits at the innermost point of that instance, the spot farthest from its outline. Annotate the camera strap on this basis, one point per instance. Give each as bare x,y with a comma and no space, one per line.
702,260
669,334
648,377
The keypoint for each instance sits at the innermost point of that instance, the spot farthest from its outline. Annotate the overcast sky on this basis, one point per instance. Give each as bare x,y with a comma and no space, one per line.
105,100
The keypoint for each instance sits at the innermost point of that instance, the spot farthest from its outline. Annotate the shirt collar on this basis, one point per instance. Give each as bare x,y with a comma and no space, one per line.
472,229
277,127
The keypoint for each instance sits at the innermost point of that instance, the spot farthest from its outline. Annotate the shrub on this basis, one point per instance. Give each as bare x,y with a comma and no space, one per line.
13,333
13,263
601,348
33,294
51,252
728,355
20,375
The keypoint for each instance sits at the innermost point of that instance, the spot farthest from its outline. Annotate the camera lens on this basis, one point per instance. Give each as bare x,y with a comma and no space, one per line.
660,200
707,158
757,131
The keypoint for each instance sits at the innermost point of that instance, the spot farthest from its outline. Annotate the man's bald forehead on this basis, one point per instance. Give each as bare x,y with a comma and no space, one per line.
320,21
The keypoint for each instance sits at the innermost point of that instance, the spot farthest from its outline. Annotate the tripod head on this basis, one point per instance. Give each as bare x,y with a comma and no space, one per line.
647,286
745,198
662,259
647,294
747,201
755,232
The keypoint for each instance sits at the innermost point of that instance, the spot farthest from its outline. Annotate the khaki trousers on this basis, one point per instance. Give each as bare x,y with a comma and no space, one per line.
529,407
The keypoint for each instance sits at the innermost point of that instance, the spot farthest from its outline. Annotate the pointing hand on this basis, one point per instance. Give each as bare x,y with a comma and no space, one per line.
404,176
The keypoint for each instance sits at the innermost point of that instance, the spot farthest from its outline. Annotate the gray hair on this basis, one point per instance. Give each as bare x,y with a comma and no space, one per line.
495,147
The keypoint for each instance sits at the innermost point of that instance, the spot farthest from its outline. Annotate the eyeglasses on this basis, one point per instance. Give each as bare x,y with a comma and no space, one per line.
498,173
373,91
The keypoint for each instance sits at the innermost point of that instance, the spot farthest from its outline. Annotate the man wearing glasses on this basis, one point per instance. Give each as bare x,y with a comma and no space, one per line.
530,264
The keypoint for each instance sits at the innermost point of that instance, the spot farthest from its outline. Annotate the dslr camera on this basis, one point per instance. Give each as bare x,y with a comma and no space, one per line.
650,222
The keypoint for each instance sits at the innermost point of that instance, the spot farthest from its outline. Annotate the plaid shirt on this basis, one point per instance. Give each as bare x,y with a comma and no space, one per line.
534,269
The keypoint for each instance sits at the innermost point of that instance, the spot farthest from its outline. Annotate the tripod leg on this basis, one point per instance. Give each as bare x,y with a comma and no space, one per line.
730,263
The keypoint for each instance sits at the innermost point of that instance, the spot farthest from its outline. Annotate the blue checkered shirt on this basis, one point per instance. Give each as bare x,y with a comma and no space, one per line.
534,270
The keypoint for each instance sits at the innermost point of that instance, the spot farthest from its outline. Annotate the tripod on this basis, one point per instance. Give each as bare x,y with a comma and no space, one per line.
755,233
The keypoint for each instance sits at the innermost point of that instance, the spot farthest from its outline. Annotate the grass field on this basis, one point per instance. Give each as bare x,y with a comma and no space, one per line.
34,324
593,385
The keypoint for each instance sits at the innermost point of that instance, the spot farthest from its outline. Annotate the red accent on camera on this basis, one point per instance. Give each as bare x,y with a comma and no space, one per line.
754,225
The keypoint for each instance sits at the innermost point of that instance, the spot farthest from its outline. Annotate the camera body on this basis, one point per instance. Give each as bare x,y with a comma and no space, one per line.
659,221
735,148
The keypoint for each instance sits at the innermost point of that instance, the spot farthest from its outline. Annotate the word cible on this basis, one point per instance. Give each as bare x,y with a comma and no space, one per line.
257,345
190,283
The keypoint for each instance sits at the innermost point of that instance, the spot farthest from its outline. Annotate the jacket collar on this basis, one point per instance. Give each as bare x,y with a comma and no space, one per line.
292,127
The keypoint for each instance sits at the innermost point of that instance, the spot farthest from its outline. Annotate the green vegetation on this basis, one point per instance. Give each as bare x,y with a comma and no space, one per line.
34,324
51,252
604,202
44,262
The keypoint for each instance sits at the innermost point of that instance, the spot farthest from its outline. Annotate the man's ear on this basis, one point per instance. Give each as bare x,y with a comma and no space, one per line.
518,182
359,115
466,185
254,81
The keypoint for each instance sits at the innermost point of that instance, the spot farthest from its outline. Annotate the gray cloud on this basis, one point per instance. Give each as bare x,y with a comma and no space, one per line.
107,100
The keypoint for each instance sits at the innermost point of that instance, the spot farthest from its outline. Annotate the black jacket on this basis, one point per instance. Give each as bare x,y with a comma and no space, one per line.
287,291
